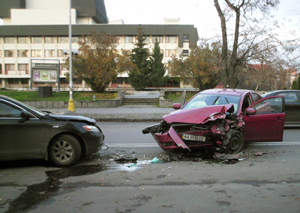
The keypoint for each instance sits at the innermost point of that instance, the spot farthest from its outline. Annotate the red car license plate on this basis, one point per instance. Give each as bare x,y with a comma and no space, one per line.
193,137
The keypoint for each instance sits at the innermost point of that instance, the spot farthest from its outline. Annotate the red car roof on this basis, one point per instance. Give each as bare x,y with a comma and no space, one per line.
235,92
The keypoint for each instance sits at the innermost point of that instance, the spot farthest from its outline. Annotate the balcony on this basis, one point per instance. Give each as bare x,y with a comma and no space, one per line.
16,72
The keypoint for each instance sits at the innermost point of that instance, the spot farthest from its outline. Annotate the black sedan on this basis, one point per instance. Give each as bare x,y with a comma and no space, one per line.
292,106
27,133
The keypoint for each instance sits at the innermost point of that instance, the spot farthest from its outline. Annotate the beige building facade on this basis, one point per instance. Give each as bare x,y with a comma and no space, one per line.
36,31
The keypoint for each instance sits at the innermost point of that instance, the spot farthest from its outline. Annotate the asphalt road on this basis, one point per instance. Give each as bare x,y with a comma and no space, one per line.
125,134
267,183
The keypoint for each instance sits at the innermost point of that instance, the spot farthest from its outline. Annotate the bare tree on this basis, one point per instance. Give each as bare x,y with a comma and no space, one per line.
249,31
267,70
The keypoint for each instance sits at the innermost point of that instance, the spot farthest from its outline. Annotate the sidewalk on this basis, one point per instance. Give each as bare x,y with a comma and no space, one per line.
125,113
134,113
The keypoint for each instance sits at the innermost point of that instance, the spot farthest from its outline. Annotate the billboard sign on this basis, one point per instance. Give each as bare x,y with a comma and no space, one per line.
45,73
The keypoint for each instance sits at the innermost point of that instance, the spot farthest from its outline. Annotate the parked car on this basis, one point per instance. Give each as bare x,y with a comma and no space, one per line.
292,106
223,118
27,133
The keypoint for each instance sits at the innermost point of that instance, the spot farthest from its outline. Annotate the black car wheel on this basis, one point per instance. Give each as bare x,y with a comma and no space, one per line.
236,142
64,150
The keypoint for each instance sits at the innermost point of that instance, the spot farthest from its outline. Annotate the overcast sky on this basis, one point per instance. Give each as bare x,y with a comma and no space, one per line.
200,13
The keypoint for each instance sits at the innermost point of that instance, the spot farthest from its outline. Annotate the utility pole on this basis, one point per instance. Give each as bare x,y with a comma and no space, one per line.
71,105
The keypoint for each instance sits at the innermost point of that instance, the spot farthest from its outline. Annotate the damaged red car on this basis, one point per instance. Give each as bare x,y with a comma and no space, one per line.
221,118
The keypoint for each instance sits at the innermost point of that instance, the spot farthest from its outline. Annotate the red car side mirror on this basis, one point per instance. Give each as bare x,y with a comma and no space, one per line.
250,111
176,106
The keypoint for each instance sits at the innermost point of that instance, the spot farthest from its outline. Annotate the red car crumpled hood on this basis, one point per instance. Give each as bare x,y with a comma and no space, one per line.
199,115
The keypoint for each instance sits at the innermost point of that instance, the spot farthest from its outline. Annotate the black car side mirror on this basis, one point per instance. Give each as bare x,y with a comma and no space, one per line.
24,116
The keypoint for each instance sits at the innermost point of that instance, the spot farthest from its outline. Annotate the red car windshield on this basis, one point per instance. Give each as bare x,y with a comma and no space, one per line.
203,100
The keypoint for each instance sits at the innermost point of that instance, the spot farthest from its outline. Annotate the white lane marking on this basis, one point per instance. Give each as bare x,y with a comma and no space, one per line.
132,144
273,143
247,144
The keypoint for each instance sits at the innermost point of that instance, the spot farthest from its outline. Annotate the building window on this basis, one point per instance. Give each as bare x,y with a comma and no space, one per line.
36,40
62,40
170,53
22,53
24,81
63,67
75,39
0,53
23,40
10,67
186,38
60,53
1,69
185,52
49,39
49,53
13,80
129,39
23,67
36,53
9,53
160,39
171,39
9,40
147,39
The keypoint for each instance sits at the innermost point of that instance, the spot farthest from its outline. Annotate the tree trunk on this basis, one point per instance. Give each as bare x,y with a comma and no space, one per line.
224,63
229,65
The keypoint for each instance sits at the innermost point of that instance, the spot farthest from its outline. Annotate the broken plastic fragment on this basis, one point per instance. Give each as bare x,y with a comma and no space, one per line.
131,165
260,153
156,160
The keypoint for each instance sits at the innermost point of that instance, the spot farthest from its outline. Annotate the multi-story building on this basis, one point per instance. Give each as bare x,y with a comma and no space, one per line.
37,31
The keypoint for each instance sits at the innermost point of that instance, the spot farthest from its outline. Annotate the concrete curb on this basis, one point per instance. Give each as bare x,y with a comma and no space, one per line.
119,114
125,120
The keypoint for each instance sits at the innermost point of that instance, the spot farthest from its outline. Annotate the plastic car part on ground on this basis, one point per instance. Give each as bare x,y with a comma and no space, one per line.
260,153
156,160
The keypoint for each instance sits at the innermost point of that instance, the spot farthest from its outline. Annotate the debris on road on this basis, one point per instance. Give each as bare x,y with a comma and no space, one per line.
104,147
131,165
227,158
126,160
260,153
156,160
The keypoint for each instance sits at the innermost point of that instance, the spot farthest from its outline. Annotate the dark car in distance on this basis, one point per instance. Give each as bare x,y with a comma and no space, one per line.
221,118
27,133
292,106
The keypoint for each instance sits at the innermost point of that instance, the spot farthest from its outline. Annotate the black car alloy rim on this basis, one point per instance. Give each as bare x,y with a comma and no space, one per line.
62,151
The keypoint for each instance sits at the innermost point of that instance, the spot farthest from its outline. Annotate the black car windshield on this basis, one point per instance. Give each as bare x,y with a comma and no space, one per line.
203,100
24,105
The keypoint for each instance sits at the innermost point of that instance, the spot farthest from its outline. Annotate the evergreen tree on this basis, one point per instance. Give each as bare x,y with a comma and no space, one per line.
298,82
139,79
295,84
157,68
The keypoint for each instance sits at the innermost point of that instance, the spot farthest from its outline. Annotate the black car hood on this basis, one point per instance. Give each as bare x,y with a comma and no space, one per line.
78,118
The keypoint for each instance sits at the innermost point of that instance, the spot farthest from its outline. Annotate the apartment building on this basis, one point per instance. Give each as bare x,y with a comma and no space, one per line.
37,32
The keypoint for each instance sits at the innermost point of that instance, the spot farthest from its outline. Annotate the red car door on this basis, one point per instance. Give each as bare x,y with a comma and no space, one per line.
264,120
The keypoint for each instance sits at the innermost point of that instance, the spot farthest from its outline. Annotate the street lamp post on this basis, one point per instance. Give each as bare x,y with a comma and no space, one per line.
71,105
